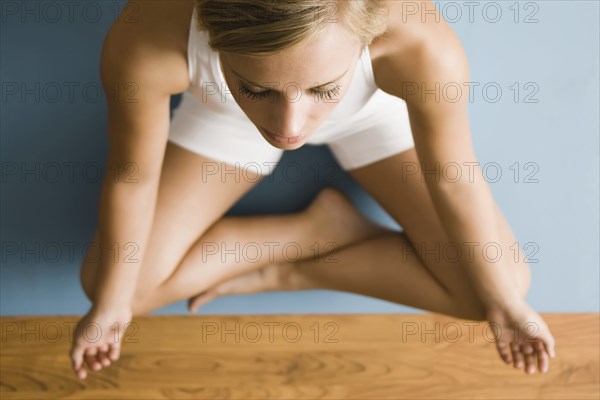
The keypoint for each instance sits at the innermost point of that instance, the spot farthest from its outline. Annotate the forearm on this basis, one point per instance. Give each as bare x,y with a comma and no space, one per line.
468,213
125,220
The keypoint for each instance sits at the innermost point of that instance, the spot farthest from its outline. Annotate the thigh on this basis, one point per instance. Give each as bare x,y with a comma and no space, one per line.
194,192
406,198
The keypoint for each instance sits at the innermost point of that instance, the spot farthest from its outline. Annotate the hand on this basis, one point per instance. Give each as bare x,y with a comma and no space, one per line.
97,339
522,337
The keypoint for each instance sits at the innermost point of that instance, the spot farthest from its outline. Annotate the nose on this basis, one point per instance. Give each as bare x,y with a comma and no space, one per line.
289,117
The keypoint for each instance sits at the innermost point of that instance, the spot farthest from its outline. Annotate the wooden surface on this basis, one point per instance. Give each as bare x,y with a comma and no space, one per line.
366,356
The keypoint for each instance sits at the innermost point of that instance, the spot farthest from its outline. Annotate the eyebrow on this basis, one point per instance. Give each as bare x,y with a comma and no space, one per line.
270,88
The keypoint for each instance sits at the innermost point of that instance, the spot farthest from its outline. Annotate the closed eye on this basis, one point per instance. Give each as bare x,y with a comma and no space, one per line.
251,95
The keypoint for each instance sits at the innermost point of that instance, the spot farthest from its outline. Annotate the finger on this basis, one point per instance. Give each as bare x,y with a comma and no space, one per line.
202,299
77,353
504,352
82,373
530,358
91,359
546,337
114,352
516,355
542,357
530,363
549,345
102,356
77,356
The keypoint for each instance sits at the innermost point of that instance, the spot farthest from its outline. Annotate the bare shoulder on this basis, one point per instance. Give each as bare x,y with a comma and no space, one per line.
419,46
148,44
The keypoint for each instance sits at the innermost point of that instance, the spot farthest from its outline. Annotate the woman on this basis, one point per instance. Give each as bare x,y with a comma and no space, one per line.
261,77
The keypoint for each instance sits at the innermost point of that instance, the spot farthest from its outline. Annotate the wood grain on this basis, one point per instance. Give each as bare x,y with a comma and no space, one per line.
363,356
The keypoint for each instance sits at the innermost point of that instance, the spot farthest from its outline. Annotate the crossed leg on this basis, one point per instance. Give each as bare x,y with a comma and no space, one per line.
404,268
368,259
192,247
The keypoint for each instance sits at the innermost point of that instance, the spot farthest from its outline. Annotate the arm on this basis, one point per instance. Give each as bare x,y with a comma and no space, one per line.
138,97
427,55
140,69
442,137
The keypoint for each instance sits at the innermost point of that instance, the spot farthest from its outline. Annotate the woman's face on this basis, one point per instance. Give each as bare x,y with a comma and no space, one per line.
291,93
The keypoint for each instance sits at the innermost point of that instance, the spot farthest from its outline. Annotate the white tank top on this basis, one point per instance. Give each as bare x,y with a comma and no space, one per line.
209,86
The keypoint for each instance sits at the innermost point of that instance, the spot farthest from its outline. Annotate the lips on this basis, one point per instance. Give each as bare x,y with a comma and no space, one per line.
284,139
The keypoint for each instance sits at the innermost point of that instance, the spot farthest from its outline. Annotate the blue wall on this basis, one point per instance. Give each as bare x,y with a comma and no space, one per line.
549,51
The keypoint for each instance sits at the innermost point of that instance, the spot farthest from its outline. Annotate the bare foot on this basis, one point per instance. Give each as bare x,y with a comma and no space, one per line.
276,276
336,219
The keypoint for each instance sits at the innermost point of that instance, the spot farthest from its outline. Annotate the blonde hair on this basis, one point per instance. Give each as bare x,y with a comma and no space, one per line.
265,27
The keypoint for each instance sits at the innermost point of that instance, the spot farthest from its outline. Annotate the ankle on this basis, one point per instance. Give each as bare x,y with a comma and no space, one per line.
297,277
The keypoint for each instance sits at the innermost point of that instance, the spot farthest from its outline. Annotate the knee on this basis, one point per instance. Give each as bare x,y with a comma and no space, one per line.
87,272
473,309
145,291
523,275
88,280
